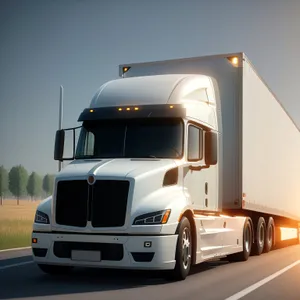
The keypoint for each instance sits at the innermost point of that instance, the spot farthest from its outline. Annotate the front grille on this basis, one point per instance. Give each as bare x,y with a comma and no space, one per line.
104,203
109,251
109,203
71,203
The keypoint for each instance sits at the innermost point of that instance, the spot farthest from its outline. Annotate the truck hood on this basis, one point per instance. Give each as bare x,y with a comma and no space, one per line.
131,168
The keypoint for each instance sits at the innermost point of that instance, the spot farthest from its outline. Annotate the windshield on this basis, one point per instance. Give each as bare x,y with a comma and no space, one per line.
134,138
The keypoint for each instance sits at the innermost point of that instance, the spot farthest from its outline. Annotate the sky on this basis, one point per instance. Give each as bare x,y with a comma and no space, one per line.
80,43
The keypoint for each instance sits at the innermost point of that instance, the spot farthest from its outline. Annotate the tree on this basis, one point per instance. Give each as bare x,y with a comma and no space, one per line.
3,183
48,183
34,185
18,178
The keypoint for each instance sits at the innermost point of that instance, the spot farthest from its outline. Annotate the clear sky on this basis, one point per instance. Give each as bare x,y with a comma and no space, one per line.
80,43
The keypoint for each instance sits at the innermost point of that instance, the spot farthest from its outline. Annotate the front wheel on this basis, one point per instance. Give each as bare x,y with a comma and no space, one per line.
247,244
183,254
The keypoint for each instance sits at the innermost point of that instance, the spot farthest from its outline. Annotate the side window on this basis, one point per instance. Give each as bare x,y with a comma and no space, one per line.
90,143
195,143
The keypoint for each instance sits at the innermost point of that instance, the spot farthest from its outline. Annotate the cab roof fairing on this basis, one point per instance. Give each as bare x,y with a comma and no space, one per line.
195,92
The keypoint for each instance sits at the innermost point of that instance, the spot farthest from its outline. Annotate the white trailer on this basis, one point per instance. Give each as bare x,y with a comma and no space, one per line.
178,162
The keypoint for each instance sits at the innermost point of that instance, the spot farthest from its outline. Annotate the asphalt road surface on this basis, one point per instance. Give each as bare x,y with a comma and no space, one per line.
275,275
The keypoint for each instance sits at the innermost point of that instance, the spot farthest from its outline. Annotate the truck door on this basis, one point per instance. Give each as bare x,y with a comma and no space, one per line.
195,181
201,186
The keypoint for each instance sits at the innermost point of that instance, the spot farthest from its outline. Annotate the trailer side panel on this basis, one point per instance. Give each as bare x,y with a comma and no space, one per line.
271,151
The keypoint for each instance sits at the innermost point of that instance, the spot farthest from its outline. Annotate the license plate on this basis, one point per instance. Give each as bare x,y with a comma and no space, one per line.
82,255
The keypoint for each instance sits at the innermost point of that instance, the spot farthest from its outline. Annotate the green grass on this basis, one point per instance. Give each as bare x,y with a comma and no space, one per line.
15,233
16,223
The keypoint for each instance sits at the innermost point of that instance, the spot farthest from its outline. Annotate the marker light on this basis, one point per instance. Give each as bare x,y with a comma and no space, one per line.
91,110
234,60
166,216
171,106
125,69
128,108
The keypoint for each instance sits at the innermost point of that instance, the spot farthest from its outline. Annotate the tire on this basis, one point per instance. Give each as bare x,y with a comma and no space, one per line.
54,270
260,236
247,244
183,254
269,238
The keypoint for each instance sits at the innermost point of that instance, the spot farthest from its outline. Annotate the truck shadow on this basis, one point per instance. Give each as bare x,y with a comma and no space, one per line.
29,281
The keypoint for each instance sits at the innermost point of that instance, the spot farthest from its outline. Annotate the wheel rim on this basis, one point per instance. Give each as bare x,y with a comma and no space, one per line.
186,248
261,236
247,239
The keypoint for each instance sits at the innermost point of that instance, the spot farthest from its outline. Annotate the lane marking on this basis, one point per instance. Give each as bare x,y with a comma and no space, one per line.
15,249
258,284
17,265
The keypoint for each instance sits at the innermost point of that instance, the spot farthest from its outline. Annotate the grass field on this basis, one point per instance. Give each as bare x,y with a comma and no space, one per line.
16,223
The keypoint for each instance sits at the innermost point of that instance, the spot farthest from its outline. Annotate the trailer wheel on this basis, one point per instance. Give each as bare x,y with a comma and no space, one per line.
247,243
54,270
260,236
269,240
183,254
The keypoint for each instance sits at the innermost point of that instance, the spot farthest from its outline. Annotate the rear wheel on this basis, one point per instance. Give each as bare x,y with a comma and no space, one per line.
54,270
269,240
183,254
260,236
247,243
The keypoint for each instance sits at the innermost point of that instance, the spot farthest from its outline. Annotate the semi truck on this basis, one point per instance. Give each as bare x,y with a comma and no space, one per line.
177,162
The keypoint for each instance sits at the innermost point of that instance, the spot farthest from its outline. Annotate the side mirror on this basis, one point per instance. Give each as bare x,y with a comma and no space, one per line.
211,148
64,148
59,145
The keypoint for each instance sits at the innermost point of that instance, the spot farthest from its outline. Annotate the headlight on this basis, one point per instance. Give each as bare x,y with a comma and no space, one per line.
158,217
41,218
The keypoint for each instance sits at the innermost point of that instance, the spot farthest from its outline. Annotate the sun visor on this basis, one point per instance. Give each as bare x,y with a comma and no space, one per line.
133,112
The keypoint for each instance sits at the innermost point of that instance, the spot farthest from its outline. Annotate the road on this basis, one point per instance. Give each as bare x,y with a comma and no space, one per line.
270,276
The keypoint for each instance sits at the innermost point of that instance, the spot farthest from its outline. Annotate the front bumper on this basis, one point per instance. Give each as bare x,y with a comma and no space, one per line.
123,252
